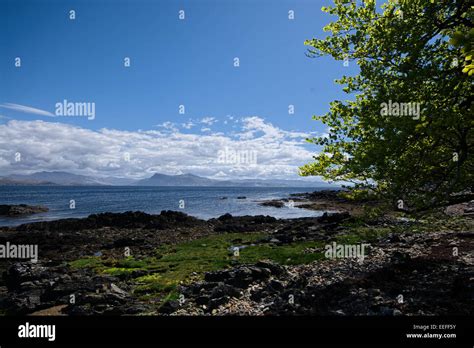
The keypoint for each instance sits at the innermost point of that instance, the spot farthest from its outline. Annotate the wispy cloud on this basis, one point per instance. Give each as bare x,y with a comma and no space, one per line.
26,109
167,126
188,125
208,121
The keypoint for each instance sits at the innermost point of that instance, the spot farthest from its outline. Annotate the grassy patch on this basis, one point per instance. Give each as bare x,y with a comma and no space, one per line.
118,271
187,262
88,262
440,222
361,234
291,254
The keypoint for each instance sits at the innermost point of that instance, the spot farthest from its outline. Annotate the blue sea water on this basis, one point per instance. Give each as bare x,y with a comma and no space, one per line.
201,202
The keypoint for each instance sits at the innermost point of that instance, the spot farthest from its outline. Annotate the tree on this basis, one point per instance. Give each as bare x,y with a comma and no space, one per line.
465,40
406,60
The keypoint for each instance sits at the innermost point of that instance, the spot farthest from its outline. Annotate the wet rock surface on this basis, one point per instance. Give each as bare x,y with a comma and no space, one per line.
331,200
137,219
228,223
275,203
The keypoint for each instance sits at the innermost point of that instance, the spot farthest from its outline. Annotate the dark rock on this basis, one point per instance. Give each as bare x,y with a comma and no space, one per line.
400,257
169,307
276,204
202,300
240,277
393,238
275,269
22,272
224,290
333,217
12,210
276,286
137,219
216,302
24,303
225,217
229,223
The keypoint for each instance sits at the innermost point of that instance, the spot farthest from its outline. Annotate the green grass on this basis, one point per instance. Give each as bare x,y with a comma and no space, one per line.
187,262
88,262
117,271
291,254
361,234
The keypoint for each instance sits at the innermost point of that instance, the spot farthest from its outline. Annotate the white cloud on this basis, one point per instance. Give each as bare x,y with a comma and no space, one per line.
188,125
208,121
58,146
26,109
254,126
168,126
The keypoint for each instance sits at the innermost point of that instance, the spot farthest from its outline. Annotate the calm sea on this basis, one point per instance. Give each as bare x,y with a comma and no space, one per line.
202,202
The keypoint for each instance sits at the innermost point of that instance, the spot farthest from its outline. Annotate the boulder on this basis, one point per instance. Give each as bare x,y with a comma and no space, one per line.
11,210
333,217
276,204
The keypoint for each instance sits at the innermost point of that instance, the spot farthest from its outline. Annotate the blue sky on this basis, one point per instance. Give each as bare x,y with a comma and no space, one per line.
173,62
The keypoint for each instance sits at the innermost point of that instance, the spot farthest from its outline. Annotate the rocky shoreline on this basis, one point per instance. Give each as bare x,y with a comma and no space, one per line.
173,264
325,200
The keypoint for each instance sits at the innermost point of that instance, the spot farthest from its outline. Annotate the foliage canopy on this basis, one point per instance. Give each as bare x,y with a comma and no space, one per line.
409,53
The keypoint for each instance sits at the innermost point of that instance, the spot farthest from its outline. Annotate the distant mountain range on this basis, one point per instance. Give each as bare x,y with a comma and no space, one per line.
53,178
67,179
